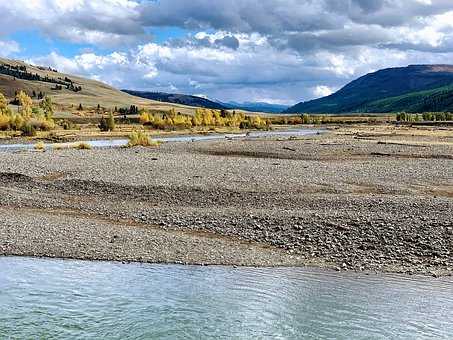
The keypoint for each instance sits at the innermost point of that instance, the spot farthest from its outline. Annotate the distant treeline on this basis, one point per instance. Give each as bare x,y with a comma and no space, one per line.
426,116
20,72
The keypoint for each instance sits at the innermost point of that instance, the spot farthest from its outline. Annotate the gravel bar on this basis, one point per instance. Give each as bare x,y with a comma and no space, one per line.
336,200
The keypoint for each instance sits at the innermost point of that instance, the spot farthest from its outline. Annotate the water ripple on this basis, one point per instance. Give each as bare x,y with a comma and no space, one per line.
56,299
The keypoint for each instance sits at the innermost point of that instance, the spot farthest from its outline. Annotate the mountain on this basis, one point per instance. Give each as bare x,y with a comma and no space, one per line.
207,103
68,91
257,107
178,99
416,88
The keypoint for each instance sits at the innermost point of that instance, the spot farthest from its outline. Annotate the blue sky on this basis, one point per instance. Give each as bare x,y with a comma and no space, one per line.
280,51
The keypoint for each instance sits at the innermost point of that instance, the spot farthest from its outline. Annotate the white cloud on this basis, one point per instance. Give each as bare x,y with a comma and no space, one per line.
106,22
322,91
244,50
253,72
8,48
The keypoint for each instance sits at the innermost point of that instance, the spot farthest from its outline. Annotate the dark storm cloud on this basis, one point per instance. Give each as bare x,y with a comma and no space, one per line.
276,16
299,24
227,41
263,16
337,39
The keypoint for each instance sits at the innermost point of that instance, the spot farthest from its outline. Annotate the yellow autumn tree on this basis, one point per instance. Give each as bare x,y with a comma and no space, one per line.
3,104
25,104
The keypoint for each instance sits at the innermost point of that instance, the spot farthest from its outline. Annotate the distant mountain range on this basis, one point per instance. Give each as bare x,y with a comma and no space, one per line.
207,103
257,107
178,99
416,88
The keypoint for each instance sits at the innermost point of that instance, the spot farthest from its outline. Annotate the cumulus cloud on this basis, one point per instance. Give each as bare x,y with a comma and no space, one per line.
106,22
278,50
9,47
322,91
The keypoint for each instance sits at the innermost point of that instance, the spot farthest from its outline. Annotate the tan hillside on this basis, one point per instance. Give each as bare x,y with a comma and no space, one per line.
83,91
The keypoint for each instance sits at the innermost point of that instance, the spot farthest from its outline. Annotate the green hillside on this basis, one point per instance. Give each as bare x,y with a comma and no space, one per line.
416,88
436,100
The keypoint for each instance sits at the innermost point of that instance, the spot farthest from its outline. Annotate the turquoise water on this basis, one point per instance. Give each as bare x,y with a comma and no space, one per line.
117,143
57,299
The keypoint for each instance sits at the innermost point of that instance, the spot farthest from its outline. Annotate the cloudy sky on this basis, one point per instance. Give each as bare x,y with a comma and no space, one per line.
280,51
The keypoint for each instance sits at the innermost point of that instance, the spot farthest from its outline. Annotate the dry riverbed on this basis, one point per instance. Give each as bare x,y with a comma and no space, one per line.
359,198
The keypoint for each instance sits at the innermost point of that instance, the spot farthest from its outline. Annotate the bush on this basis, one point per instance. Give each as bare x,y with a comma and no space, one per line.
67,125
28,130
40,146
108,124
140,138
83,146
4,122
111,122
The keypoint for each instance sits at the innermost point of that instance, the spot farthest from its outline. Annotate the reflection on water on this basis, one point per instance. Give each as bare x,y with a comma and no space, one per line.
52,299
116,143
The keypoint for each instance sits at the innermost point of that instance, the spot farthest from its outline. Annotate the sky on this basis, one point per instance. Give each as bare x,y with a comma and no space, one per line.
277,51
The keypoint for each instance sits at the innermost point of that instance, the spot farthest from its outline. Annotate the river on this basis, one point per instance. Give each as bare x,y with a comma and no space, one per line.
66,299
117,143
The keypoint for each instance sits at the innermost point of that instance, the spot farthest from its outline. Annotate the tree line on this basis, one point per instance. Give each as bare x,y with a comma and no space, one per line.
20,72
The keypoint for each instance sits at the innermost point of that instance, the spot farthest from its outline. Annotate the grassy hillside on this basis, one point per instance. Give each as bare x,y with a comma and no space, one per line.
415,88
13,76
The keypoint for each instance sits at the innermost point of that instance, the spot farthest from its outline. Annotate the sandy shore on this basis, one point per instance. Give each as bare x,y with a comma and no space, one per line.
373,198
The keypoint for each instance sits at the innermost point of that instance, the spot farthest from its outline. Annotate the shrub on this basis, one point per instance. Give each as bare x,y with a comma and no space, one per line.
40,146
103,125
4,121
140,138
83,146
111,122
67,125
108,124
28,130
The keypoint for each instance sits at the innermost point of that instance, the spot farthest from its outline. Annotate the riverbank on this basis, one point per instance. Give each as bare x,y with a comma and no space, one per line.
360,198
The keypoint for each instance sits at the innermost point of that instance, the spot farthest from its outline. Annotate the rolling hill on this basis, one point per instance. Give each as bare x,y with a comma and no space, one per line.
416,88
178,99
68,91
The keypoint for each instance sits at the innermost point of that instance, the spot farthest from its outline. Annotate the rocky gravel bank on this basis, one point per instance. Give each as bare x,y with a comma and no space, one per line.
334,200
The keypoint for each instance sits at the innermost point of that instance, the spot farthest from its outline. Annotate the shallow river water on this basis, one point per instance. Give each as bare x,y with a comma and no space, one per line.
117,143
61,299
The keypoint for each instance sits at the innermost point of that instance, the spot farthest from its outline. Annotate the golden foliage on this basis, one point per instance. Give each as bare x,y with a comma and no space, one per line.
140,138
29,118
202,118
